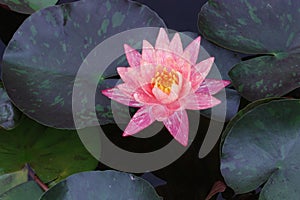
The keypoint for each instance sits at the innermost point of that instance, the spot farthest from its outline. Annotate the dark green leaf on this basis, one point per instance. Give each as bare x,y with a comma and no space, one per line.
52,153
101,185
47,50
27,6
267,28
26,191
262,145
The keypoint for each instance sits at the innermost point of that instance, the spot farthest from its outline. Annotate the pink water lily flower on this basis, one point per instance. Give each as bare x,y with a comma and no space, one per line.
165,81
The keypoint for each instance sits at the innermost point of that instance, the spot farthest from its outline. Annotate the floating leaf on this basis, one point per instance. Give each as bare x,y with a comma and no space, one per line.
262,145
48,49
267,28
52,153
27,6
25,191
101,185
8,181
9,115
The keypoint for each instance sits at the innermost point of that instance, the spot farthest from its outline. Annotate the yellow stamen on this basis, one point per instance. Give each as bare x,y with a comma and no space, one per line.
164,79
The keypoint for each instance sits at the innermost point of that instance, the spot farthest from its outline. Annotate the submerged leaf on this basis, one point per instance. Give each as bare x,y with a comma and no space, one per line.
53,154
8,181
25,191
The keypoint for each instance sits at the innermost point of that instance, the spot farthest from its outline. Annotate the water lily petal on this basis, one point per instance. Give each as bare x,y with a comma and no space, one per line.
176,45
199,101
126,89
200,71
121,97
128,75
192,50
164,98
176,105
133,56
212,86
141,119
141,96
185,89
183,66
148,54
160,112
147,72
178,126
162,41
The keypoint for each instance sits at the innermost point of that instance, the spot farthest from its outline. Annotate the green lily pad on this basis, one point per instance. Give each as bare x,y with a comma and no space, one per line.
262,145
267,28
8,181
101,185
53,154
27,6
48,49
9,115
25,191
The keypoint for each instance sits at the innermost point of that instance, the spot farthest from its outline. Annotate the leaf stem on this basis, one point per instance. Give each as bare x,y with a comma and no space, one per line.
38,180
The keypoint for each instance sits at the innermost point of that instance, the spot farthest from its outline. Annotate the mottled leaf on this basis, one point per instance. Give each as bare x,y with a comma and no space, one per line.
267,28
9,115
53,154
262,146
27,6
101,185
25,191
48,49
10,180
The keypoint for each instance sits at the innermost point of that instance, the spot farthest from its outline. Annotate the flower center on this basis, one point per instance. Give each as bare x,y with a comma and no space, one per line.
164,79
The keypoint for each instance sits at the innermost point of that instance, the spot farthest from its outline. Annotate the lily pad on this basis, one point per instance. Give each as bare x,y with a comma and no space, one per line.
53,154
262,146
27,6
8,181
269,29
25,191
48,49
101,185
9,115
